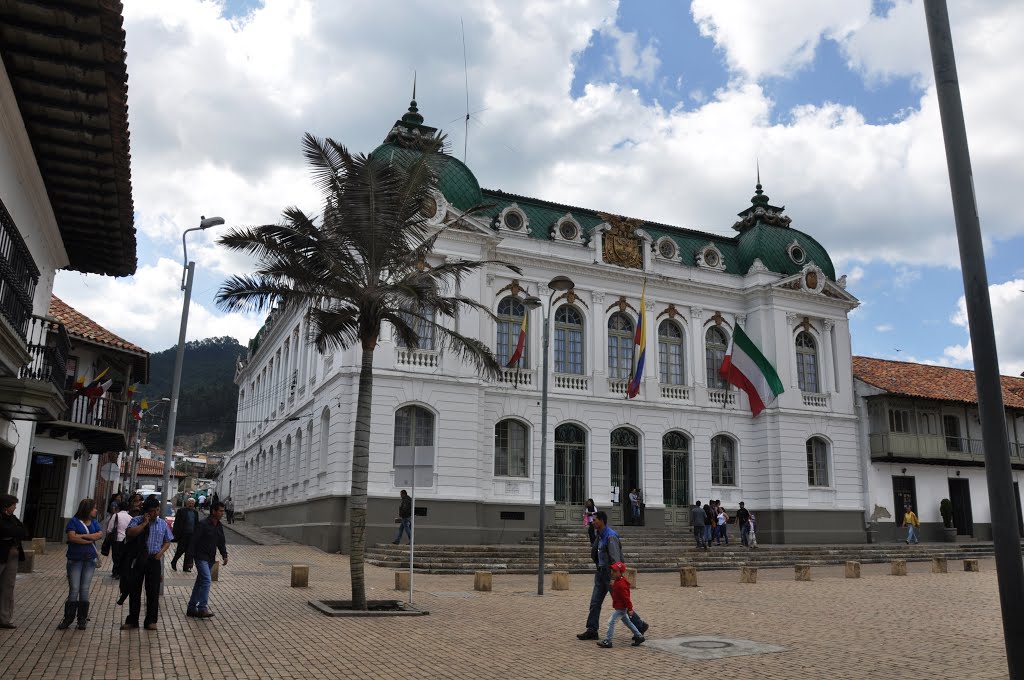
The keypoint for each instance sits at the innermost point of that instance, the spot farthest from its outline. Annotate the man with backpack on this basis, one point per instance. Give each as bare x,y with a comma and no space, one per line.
147,539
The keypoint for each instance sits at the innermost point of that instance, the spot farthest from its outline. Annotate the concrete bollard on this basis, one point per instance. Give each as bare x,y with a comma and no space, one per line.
559,580
215,571
688,577
401,580
802,572
939,565
631,577
853,570
899,568
300,576
28,565
971,565
748,575
482,581
39,546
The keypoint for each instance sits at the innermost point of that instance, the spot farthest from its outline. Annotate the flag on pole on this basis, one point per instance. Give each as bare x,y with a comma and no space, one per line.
82,388
136,411
639,348
131,391
520,344
745,367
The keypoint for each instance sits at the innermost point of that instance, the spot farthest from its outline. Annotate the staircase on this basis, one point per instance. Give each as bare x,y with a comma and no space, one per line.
650,550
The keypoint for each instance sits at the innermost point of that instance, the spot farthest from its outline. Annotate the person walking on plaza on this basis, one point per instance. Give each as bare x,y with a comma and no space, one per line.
605,551
697,520
589,510
722,520
117,523
208,539
229,508
743,519
911,522
146,564
404,518
622,605
634,507
185,523
121,549
12,533
83,531
709,523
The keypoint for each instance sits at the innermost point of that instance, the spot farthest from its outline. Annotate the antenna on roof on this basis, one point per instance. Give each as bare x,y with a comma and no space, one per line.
465,64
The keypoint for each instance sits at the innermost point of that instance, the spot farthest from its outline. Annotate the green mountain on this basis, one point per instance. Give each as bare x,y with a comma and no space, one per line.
208,399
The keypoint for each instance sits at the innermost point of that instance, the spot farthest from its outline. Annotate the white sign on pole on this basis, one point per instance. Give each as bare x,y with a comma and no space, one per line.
110,472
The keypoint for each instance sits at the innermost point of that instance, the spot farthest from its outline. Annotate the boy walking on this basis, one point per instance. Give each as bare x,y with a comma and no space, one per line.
623,606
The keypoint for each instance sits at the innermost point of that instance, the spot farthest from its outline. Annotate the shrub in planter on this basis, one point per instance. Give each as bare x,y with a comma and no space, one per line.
946,510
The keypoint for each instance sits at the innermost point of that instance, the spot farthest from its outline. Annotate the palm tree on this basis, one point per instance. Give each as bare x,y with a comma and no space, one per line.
364,264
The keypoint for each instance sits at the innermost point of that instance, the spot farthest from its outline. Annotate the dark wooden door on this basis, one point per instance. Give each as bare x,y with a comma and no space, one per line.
1020,517
904,493
44,496
960,497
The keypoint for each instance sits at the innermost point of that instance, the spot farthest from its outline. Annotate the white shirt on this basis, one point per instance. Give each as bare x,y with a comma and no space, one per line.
721,517
123,518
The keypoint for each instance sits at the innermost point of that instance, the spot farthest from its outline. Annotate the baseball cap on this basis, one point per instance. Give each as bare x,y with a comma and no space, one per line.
618,566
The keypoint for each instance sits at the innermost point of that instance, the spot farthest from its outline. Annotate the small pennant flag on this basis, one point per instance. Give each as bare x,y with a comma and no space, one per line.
520,345
745,367
144,405
639,348
136,411
131,391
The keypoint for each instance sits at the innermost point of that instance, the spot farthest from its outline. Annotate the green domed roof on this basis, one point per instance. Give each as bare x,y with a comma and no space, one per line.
455,180
773,245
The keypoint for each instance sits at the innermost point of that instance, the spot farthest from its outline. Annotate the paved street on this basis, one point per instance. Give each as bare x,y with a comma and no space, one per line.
881,626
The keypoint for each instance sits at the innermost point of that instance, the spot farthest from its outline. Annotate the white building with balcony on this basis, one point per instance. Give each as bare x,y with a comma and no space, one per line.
686,436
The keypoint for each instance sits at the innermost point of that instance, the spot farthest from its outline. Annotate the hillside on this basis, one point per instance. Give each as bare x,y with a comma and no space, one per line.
209,397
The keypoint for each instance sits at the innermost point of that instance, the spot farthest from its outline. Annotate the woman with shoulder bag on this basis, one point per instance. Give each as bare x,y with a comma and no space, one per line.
83,532
114,542
12,533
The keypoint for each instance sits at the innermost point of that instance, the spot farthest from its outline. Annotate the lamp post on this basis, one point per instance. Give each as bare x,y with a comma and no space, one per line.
179,357
559,283
138,441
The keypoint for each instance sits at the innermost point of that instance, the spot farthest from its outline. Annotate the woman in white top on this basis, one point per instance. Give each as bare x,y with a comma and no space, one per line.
116,526
722,533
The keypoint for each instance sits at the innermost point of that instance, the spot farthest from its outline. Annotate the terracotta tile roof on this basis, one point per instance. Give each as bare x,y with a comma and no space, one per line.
931,382
149,468
81,326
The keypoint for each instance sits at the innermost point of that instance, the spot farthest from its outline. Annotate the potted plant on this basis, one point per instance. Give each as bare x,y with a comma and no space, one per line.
948,530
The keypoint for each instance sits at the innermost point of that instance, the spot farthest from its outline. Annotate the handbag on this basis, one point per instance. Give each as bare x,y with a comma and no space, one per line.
108,540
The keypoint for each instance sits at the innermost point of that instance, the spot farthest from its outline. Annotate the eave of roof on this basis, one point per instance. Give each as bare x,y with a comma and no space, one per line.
924,381
81,327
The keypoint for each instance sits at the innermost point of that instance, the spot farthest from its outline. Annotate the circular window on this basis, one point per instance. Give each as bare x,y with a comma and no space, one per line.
568,230
667,248
513,221
429,208
710,258
797,253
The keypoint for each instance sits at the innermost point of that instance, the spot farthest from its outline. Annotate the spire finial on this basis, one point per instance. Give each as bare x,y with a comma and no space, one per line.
414,85
757,161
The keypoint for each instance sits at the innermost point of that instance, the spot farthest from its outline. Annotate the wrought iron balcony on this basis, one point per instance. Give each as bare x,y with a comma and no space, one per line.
36,392
19,275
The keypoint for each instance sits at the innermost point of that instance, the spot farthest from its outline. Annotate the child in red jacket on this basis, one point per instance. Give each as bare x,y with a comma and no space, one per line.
622,605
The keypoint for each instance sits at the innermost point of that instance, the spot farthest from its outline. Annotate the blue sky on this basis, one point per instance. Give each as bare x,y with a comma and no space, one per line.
653,109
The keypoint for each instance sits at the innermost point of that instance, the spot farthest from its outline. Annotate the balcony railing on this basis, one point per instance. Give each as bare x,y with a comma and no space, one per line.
108,412
516,377
722,397
676,392
618,386
815,400
417,358
933,447
572,382
18,275
48,345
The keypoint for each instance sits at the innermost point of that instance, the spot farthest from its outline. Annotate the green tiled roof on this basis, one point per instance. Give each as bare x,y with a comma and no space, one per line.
456,181
771,244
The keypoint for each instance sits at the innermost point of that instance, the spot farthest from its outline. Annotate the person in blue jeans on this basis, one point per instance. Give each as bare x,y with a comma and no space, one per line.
404,518
207,540
605,551
82,532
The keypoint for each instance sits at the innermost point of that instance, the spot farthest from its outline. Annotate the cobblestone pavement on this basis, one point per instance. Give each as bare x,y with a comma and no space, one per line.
880,626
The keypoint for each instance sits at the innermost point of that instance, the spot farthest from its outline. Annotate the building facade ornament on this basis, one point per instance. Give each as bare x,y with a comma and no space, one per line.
622,246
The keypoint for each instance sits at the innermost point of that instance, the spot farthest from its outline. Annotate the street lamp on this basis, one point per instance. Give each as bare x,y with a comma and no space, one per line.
559,283
138,440
186,285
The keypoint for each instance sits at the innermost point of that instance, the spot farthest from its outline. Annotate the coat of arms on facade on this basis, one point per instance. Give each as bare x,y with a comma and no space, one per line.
621,244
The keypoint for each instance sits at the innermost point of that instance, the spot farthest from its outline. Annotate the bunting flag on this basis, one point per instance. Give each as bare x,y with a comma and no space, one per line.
144,405
82,388
639,348
520,345
136,411
131,391
745,367
95,391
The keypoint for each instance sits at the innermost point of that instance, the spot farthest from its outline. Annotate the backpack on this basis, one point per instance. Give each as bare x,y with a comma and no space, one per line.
135,549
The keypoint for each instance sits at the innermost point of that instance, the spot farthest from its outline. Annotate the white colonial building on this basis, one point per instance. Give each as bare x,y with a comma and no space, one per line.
686,436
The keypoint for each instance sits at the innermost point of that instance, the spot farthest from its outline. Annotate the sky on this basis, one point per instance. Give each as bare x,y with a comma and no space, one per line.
653,109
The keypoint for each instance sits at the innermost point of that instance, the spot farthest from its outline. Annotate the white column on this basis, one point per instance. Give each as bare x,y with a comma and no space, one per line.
791,320
827,367
697,345
651,361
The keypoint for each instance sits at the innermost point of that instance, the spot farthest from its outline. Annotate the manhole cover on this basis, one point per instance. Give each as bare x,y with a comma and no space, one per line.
706,644
374,608
706,647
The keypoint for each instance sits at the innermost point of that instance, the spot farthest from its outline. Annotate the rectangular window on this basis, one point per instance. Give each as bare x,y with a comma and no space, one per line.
817,462
899,420
670,360
715,357
951,428
807,371
568,351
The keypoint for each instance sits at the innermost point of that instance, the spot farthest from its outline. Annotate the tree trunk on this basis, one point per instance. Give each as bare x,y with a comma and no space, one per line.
360,472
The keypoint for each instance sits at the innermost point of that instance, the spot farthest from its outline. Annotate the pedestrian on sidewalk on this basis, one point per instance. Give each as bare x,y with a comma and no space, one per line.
709,523
743,519
208,539
147,561
723,520
634,506
185,523
12,533
83,531
229,508
121,561
622,605
605,551
589,510
697,520
117,523
404,518
911,522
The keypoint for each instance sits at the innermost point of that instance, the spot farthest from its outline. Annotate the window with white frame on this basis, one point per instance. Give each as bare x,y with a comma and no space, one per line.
723,461
817,462
422,323
414,428
511,312
899,421
325,437
568,340
510,454
806,362
620,346
715,345
670,353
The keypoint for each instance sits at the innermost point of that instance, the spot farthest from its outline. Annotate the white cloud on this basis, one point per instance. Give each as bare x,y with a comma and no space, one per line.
631,61
905,276
1006,299
883,328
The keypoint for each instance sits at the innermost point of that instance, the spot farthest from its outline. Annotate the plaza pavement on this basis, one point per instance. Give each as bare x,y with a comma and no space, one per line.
880,626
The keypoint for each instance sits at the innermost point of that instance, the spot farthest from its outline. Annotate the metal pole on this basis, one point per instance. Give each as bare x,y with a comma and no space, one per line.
179,358
135,456
543,451
412,522
998,473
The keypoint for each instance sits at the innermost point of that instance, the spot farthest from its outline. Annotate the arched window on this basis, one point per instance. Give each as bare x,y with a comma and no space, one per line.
421,322
817,462
675,469
715,344
325,437
670,353
570,465
309,448
510,320
279,466
723,461
568,340
806,362
510,456
289,462
620,346
414,442
299,472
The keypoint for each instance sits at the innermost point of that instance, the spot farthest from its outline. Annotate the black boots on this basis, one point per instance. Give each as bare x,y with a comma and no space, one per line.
69,615
83,614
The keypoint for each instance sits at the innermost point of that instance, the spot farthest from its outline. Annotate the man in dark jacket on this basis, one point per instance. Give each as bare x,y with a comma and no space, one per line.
12,533
605,551
697,520
185,523
404,518
743,519
208,539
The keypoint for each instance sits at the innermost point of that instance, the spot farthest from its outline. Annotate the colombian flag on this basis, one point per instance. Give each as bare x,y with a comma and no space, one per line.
520,345
639,348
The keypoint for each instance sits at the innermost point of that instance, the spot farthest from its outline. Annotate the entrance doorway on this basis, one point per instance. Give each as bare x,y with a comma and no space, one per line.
570,474
6,464
625,460
44,496
960,497
1020,516
904,493
675,476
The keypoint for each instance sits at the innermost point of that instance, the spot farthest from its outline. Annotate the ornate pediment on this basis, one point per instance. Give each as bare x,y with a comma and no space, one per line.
622,246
